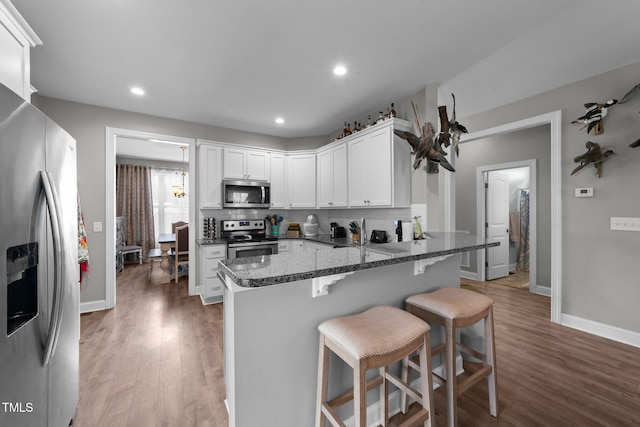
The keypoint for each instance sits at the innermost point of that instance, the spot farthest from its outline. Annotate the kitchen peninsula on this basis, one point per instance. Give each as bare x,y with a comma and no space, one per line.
273,305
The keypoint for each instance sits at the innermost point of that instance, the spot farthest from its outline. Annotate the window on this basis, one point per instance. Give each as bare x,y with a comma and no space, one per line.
168,208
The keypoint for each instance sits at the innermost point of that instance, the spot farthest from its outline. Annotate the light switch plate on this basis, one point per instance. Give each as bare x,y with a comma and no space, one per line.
584,192
625,224
97,227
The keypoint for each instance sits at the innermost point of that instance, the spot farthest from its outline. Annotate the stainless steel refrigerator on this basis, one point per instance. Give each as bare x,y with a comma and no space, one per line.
39,297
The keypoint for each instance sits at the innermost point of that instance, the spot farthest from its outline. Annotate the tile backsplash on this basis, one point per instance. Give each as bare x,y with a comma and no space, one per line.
376,219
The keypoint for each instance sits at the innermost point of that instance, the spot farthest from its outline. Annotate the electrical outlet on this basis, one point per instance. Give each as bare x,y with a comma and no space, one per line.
97,227
625,224
584,192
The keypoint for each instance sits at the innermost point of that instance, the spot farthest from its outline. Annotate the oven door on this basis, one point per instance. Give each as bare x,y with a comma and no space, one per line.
247,249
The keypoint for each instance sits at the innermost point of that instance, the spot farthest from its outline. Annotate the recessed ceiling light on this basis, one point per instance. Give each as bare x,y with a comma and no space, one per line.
340,70
137,91
279,120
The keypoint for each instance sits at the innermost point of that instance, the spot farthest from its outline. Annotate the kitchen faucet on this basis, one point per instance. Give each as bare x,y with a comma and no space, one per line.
363,233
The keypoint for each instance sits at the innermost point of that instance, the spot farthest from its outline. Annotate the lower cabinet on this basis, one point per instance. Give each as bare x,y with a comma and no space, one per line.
296,246
283,246
211,284
314,246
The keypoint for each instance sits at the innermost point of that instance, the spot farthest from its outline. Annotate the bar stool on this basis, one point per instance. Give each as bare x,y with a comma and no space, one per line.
374,339
455,308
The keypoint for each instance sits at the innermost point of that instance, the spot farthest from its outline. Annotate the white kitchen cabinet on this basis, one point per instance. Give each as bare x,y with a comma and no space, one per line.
209,257
332,177
301,180
16,40
240,163
315,246
209,176
296,246
283,246
379,169
278,189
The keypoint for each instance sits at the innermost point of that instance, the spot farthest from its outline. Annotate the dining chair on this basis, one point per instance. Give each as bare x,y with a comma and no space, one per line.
181,253
175,225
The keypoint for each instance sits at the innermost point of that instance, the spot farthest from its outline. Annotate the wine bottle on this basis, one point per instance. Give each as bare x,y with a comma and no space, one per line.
399,230
380,117
392,113
369,120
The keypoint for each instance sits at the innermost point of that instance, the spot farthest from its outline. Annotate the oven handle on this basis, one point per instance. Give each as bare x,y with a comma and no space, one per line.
247,243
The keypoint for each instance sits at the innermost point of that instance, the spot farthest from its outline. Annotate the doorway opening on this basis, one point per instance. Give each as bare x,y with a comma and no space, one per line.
553,120
507,207
113,136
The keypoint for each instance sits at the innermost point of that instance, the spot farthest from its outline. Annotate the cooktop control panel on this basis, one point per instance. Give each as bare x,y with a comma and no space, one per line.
243,225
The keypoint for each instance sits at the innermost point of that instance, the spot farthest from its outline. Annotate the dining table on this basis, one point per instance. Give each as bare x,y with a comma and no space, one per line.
167,243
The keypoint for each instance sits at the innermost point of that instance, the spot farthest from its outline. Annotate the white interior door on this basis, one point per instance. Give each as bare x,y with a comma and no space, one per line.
497,224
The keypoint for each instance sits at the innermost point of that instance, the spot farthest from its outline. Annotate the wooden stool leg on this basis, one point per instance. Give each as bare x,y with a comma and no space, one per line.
404,401
426,384
359,395
451,380
384,397
491,361
323,378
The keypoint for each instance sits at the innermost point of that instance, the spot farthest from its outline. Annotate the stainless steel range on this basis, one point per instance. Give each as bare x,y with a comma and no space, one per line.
246,238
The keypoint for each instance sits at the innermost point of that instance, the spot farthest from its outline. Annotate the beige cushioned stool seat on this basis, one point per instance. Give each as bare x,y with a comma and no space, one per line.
374,339
378,331
452,303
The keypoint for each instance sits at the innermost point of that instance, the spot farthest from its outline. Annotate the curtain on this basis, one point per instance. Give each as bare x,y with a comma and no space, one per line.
523,247
134,202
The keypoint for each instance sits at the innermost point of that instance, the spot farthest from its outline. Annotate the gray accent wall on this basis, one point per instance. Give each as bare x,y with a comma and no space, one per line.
600,272
87,124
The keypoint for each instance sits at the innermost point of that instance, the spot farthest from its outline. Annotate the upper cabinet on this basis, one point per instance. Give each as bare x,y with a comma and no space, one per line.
16,40
278,189
209,176
301,180
241,163
379,165
371,168
332,177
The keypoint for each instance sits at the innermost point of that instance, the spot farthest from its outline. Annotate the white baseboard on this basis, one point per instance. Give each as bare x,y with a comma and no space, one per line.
469,275
90,306
540,290
606,331
373,410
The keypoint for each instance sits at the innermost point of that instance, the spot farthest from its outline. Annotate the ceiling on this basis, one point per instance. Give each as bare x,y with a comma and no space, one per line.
240,64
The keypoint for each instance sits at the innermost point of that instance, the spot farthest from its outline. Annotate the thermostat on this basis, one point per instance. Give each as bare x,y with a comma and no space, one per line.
584,192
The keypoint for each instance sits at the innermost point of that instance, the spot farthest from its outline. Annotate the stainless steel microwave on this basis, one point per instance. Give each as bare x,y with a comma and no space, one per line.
246,194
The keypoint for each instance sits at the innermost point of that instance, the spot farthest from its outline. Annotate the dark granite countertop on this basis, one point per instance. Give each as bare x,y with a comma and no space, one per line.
289,267
207,242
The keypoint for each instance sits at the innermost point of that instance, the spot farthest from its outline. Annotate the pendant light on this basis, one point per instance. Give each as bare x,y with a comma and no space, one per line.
178,191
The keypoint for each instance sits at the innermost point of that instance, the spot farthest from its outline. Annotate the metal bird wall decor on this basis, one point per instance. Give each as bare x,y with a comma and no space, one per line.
424,147
596,112
594,155
593,117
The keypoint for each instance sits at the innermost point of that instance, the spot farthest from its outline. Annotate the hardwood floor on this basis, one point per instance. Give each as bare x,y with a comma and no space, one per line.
549,375
156,360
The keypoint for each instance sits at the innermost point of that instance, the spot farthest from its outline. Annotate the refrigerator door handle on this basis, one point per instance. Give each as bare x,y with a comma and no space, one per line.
56,315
